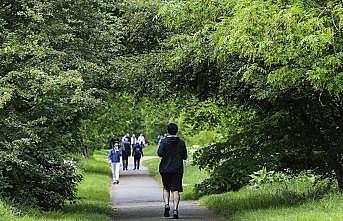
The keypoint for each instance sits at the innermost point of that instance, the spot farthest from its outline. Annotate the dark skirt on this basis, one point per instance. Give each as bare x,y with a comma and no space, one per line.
172,181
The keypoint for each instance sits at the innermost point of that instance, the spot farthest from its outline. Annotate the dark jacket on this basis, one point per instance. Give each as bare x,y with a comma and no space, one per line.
173,151
137,150
114,155
126,149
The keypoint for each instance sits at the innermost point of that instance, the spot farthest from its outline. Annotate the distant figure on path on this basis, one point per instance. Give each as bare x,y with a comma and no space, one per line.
124,137
133,140
173,152
137,154
126,151
114,160
141,140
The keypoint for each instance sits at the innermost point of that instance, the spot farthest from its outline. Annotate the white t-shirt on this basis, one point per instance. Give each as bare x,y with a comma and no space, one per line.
141,139
133,140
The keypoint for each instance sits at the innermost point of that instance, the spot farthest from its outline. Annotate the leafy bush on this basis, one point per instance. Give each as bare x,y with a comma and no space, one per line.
263,176
229,176
238,52
39,178
204,137
305,184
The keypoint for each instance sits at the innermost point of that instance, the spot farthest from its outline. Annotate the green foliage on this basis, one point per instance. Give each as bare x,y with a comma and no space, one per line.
199,116
51,57
297,199
41,173
92,203
143,30
150,150
288,41
156,114
97,163
259,81
261,177
204,137
283,61
117,116
33,124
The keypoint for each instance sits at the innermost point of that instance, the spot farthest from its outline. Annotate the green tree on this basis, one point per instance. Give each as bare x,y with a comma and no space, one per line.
52,56
284,60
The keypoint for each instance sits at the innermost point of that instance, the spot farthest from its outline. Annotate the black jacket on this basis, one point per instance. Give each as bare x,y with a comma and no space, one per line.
173,151
137,151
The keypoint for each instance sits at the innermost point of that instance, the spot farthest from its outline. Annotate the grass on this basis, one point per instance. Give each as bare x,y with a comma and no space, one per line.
150,150
296,200
93,192
192,174
274,202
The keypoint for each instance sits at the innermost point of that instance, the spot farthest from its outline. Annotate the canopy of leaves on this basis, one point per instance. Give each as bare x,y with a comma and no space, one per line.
52,56
283,59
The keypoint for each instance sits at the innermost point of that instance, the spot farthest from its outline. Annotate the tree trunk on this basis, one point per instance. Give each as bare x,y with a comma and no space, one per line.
85,152
337,167
339,177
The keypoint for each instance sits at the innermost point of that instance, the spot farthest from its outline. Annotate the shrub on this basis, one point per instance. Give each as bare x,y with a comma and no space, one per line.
229,176
264,176
40,178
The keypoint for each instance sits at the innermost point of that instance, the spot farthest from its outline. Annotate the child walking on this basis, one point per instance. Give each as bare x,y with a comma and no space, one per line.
114,159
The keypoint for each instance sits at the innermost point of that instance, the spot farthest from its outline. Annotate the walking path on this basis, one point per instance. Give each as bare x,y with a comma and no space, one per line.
138,196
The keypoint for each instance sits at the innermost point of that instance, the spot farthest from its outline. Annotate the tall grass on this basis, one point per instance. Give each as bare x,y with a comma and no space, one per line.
150,150
93,192
279,202
295,200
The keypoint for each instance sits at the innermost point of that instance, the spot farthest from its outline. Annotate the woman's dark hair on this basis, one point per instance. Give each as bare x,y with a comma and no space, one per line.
172,129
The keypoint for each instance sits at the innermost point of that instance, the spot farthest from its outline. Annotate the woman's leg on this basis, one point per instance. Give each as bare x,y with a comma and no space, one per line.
127,161
123,160
176,199
138,162
113,171
166,196
117,171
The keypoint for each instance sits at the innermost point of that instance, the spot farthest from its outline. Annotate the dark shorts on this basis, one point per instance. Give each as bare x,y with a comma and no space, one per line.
172,181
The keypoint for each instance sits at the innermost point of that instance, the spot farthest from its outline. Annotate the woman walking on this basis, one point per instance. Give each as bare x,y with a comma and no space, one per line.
126,152
114,159
173,152
137,153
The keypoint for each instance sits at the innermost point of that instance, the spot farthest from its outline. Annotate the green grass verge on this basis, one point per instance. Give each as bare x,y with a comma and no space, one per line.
277,203
192,175
150,150
294,201
93,192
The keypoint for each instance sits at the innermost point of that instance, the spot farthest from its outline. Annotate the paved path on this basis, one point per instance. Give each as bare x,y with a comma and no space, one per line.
138,196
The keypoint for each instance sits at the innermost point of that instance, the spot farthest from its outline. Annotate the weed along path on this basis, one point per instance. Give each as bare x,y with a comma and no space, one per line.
138,196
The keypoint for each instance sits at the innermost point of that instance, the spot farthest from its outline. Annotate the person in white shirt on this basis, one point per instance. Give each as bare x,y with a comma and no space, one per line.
133,140
126,136
141,140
